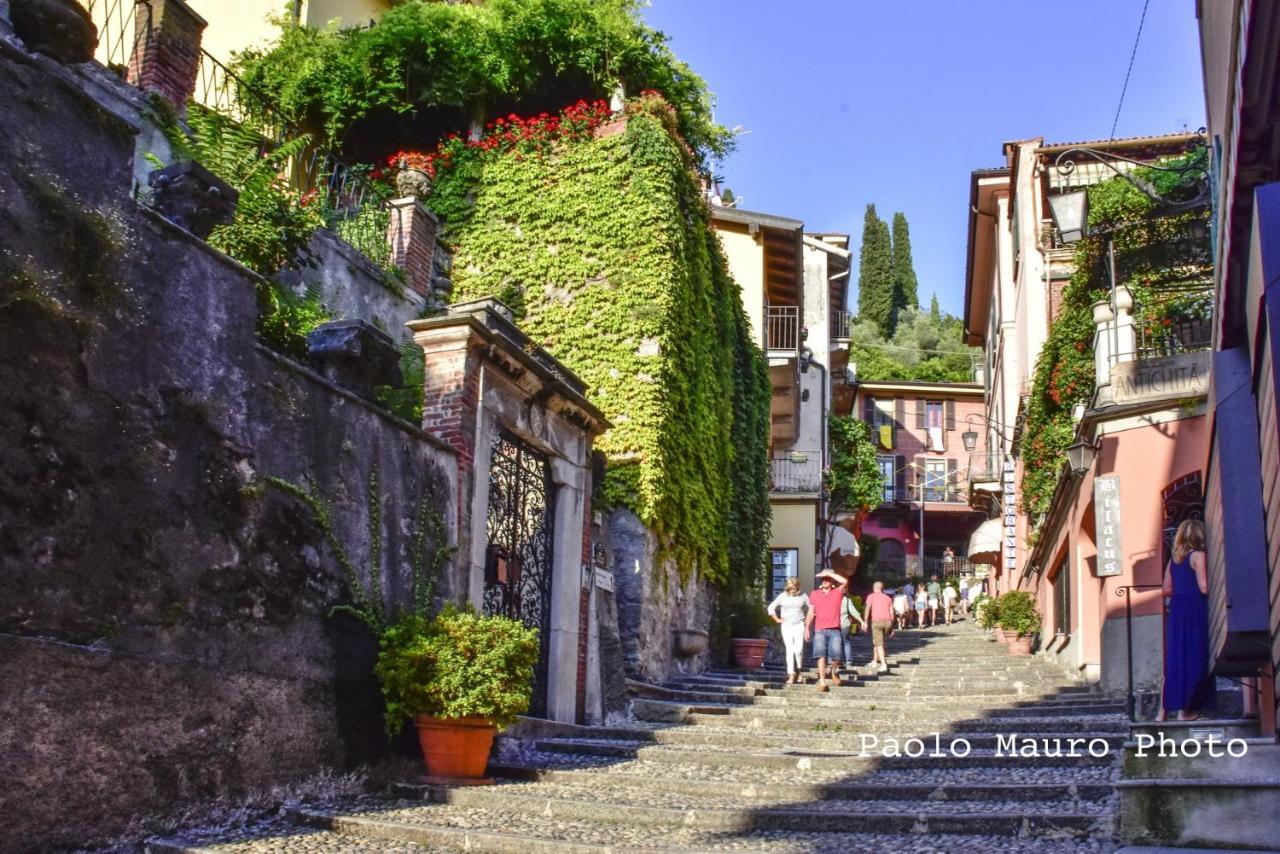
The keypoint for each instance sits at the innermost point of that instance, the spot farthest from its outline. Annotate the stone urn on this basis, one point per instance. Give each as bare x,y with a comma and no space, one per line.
689,642
191,196
748,653
414,182
60,29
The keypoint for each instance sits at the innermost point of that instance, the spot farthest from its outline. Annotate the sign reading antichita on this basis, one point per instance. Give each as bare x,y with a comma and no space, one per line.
1183,375
1106,518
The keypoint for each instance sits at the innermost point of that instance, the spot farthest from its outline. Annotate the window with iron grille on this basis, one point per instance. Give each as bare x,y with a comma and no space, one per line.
888,476
1062,600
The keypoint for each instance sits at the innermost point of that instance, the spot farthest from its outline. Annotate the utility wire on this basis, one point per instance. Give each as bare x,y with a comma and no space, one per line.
1116,121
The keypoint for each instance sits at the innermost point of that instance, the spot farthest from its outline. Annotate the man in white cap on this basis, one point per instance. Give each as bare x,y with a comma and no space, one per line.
826,603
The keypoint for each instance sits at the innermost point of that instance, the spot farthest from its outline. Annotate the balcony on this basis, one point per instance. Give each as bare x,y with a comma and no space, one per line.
1181,336
932,495
799,474
782,327
841,323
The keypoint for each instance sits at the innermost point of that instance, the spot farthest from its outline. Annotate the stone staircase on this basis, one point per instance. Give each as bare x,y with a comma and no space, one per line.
732,760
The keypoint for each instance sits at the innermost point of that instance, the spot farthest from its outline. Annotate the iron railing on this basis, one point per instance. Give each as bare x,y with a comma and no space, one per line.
782,327
1180,336
949,494
841,323
795,474
354,208
122,26
985,467
910,566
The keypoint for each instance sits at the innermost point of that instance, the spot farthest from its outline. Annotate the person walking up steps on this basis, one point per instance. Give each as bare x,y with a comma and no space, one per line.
1188,685
880,615
788,611
823,624
900,608
922,604
848,616
933,592
949,596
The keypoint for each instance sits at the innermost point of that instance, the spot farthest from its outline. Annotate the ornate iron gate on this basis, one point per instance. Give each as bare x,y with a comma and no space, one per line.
518,565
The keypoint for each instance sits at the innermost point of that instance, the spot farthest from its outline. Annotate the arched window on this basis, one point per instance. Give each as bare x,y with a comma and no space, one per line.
1183,499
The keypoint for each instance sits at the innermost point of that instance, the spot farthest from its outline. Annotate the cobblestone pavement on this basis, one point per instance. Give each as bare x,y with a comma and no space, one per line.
736,761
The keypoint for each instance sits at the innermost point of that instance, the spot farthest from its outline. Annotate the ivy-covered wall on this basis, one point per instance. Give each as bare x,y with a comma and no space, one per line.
602,248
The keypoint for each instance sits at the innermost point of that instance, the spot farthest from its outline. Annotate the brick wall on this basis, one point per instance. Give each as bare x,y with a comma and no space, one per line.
411,235
166,57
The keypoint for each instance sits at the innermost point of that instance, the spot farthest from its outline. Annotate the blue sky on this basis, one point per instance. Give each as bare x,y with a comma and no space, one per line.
896,101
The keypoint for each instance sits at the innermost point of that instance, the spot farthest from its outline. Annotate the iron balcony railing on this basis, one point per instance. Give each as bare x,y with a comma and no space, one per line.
793,474
782,327
932,495
841,323
985,467
910,566
122,25
1179,336
354,208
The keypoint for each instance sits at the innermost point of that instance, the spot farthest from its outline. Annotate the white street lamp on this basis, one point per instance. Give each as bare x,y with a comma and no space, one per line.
1071,214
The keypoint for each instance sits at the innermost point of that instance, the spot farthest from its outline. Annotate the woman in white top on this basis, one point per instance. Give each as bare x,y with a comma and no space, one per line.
949,596
788,611
922,602
900,607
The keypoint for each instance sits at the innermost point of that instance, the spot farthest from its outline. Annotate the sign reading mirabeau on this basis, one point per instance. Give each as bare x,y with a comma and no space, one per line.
1183,375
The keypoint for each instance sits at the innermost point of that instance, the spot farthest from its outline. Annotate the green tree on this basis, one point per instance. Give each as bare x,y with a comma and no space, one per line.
853,479
875,273
904,271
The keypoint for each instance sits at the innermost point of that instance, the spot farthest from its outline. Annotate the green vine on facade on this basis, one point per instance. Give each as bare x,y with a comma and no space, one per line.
853,479
603,248
1168,271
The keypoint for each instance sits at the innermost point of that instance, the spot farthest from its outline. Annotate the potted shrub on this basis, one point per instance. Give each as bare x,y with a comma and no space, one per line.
1020,619
749,620
461,677
988,610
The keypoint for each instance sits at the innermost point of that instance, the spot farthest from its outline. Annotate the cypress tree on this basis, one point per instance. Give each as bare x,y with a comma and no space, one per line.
875,273
904,272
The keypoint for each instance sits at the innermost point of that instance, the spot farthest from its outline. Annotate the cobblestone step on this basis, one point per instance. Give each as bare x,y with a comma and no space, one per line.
751,719
639,807
782,758
867,789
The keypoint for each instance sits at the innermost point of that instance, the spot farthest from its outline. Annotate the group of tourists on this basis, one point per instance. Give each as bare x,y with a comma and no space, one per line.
826,615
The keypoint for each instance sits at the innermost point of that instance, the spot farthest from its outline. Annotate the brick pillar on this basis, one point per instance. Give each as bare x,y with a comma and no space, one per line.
451,387
411,234
166,54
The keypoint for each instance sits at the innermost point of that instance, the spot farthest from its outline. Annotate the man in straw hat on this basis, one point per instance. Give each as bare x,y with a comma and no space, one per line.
822,624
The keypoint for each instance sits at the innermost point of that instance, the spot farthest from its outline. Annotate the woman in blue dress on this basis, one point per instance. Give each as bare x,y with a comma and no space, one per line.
1188,687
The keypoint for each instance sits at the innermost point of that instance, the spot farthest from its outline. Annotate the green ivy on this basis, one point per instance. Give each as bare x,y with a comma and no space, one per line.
1169,276
603,249
853,480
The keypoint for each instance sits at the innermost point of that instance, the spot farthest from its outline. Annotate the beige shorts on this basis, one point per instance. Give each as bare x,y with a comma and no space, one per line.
879,629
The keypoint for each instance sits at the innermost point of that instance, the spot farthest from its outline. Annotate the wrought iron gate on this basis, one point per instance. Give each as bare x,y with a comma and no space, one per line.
518,566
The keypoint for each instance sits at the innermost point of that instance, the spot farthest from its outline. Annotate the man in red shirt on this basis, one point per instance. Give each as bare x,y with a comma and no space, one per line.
823,624
879,613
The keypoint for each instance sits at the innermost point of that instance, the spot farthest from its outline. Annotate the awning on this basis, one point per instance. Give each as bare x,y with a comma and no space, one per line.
985,542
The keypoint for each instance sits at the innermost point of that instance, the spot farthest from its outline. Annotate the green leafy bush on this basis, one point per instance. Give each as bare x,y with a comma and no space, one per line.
459,664
988,610
853,478
285,320
1018,613
434,65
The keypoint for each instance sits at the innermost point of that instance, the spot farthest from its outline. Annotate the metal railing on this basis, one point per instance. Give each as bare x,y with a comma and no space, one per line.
985,467
354,208
782,327
1180,336
932,495
841,323
796,475
122,25
910,566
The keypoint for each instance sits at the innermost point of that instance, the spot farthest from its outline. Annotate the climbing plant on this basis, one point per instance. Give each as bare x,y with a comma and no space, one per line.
603,249
1165,266
853,479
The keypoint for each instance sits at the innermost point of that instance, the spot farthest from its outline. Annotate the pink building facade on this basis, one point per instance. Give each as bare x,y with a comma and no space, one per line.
919,429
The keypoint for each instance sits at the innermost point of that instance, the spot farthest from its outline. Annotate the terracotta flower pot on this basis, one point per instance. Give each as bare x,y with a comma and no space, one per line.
455,747
1020,645
60,29
999,634
748,653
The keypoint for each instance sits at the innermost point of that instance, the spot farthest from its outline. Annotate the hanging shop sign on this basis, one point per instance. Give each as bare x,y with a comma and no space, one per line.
1106,514
1010,516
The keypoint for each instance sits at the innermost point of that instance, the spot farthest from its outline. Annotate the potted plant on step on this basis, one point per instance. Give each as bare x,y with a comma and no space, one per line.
988,610
747,623
461,677
1020,620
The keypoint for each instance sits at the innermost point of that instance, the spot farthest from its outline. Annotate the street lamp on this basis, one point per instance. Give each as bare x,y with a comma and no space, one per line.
1080,456
970,439
1071,214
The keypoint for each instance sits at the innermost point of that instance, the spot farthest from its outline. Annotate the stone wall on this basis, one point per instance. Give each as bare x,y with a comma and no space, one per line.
651,603
164,635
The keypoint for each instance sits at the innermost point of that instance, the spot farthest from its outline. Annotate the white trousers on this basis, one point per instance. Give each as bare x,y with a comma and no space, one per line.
793,641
